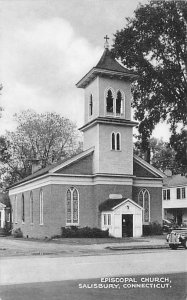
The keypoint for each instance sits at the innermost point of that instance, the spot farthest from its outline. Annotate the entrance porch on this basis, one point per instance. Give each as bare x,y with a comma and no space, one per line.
122,217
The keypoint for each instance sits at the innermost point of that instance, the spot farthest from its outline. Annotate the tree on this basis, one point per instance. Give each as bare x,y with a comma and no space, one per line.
46,137
162,155
179,144
154,44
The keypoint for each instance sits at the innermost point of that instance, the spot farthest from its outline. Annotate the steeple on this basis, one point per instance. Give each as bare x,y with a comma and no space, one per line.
107,66
107,117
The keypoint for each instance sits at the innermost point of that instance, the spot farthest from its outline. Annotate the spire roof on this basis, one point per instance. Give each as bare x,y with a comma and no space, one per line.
107,66
109,63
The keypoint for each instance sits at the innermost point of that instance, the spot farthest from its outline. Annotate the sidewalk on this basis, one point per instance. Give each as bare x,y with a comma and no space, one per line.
143,243
77,247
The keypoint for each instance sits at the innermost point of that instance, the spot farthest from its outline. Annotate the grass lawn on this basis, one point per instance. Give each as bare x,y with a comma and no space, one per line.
89,241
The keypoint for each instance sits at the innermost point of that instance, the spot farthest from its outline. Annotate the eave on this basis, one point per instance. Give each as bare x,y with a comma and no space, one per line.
94,72
109,121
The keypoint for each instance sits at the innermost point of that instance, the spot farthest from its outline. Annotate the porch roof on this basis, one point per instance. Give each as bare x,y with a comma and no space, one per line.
109,204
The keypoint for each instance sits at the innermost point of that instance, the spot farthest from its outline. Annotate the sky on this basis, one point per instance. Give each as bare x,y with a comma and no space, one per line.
47,46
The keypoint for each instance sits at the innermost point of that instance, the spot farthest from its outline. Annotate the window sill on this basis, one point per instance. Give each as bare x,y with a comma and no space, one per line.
108,114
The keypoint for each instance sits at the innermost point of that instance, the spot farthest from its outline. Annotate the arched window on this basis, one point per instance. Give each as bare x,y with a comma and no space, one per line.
72,206
91,105
144,201
31,208
113,141
119,103
23,208
116,141
118,146
109,102
41,207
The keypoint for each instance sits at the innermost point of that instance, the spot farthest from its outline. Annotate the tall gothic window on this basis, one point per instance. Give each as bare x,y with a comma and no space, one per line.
116,141
109,102
91,105
31,208
113,141
144,201
72,206
119,103
16,209
23,208
41,207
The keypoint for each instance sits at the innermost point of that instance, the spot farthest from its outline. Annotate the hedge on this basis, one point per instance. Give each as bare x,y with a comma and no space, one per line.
84,232
153,228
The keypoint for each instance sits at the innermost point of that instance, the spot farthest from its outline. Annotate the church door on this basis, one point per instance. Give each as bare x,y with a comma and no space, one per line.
127,225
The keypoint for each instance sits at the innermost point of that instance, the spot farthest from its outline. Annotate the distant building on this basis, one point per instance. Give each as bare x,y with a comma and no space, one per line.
105,186
174,197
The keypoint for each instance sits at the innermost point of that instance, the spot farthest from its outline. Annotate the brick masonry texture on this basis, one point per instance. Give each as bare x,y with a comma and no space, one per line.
35,229
81,167
155,201
55,207
140,171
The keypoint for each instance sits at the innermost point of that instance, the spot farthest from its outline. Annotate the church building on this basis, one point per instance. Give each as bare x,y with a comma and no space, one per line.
105,186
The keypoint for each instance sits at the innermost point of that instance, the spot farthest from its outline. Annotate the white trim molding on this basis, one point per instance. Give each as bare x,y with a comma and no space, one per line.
73,159
127,200
147,182
148,167
86,180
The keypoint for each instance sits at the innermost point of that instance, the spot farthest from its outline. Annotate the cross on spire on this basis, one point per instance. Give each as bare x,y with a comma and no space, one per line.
106,45
106,38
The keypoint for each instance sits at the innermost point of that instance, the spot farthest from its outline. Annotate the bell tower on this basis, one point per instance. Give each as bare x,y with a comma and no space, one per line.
107,115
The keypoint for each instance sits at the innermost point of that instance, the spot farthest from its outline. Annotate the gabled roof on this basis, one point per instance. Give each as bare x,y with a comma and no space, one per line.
107,66
55,167
72,160
111,204
175,180
149,167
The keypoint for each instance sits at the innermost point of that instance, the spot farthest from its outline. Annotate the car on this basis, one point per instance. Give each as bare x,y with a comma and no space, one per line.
167,225
177,237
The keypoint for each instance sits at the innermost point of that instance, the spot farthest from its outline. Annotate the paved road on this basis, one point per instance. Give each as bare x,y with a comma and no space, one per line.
73,290
17,270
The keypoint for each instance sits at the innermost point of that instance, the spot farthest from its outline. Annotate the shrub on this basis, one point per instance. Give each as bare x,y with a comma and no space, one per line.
84,232
17,233
153,228
7,228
